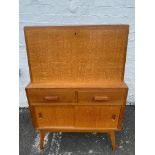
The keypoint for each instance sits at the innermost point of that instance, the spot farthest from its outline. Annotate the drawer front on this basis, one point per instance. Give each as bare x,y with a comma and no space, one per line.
104,96
76,118
105,117
47,95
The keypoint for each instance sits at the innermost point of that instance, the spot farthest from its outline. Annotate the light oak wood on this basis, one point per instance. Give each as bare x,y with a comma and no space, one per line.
86,116
97,116
94,54
102,96
42,135
75,85
112,137
54,116
77,78
106,96
47,95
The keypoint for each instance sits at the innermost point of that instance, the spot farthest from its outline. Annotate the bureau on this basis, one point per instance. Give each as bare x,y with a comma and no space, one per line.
77,78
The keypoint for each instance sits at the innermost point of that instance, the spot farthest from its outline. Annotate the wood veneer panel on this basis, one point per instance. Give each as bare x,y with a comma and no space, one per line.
55,116
78,85
83,116
48,95
102,96
77,75
76,53
97,116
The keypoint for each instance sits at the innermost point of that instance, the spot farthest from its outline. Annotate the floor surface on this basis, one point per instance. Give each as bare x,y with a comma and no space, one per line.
76,143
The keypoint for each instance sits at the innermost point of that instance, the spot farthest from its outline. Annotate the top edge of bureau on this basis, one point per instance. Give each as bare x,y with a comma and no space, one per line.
121,26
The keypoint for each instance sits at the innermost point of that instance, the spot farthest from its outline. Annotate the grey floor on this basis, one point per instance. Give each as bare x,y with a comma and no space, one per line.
76,143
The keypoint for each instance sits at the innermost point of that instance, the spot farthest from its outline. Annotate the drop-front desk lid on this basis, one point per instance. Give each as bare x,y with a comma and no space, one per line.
77,54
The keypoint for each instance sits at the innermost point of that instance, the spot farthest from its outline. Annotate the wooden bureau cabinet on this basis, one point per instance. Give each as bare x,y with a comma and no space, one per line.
77,78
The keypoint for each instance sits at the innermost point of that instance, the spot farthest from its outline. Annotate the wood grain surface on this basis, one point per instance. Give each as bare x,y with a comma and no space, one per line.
76,53
76,116
77,78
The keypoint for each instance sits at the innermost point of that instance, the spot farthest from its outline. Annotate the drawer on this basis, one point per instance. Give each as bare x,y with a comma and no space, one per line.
97,117
102,96
47,95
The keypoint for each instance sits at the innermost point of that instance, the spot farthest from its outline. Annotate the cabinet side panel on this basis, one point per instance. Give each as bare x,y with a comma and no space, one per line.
122,111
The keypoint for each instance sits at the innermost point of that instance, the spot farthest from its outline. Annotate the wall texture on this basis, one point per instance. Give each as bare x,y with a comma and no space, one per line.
69,12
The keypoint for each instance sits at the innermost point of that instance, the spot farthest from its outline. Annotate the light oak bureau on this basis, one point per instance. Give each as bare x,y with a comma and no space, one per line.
77,78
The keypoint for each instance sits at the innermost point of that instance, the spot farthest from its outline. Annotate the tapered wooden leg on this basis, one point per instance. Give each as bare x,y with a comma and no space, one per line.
112,137
42,134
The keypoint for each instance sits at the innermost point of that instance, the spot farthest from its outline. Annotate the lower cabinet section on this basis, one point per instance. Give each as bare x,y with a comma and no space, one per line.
53,116
97,116
76,117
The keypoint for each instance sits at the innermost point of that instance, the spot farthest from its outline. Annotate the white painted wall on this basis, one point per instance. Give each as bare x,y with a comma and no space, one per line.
69,12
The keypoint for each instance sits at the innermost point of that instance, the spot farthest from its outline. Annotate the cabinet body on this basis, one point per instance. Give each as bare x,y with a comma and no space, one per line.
77,77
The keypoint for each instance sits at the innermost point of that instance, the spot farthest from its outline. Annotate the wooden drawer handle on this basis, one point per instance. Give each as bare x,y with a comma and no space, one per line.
51,98
101,98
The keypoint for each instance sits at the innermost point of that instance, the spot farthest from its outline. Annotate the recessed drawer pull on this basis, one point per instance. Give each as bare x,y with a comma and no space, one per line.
40,115
101,98
113,117
51,98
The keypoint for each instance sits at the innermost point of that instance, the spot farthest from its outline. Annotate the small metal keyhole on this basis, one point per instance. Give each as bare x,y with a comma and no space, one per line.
40,115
